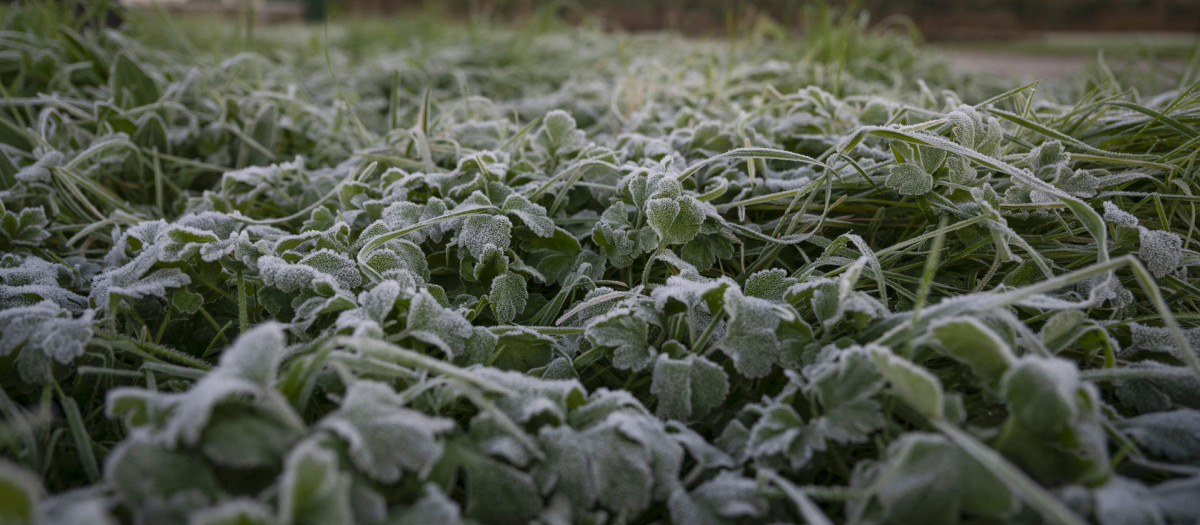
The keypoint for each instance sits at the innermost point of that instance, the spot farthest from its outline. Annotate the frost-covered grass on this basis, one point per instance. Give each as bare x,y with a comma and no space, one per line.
432,274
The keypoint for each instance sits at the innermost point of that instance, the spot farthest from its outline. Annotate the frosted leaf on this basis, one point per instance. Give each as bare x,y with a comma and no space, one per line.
914,385
1173,436
781,432
1159,339
676,220
909,179
1048,154
1122,501
479,231
965,125
750,334
561,395
296,278
1043,394
385,438
312,490
706,454
154,284
145,474
626,334
1177,499
434,324
533,215
927,479
255,355
379,301
26,228
1162,251
1080,183
498,493
433,507
688,388
769,284
238,511
508,296
1168,388
970,342
728,496
558,134
1118,216
244,375
961,171
40,170
694,295
335,264
35,280
46,328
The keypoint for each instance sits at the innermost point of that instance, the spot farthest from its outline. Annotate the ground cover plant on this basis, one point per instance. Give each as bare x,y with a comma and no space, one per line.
478,275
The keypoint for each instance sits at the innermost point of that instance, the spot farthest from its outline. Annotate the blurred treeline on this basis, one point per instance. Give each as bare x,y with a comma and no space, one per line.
936,19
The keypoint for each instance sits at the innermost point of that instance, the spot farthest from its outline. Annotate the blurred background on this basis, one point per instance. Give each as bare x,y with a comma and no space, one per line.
936,19
1038,38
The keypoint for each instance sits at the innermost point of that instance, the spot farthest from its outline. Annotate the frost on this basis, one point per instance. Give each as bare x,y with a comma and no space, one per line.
386,438
46,328
1173,436
1118,216
1162,251
626,334
480,231
40,171
909,179
432,323
533,215
1159,339
312,490
750,334
688,388
508,296
914,385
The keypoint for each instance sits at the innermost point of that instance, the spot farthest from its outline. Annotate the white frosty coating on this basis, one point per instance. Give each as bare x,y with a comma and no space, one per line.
909,179
1162,251
39,171
1117,216
750,334
1173,435
1159,339
385,438
478,231
47,328
39,278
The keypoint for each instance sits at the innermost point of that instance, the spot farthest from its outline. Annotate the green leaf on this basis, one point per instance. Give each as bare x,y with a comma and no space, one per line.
688,388
480,231
914,385
312,490
927,479
750,334
385,438
434,324
533,215
909,179
186,302
498,493
20,494
626,334
970,342
508,297
676,220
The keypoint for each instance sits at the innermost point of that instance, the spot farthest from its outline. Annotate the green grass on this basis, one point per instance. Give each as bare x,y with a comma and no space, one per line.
409,271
